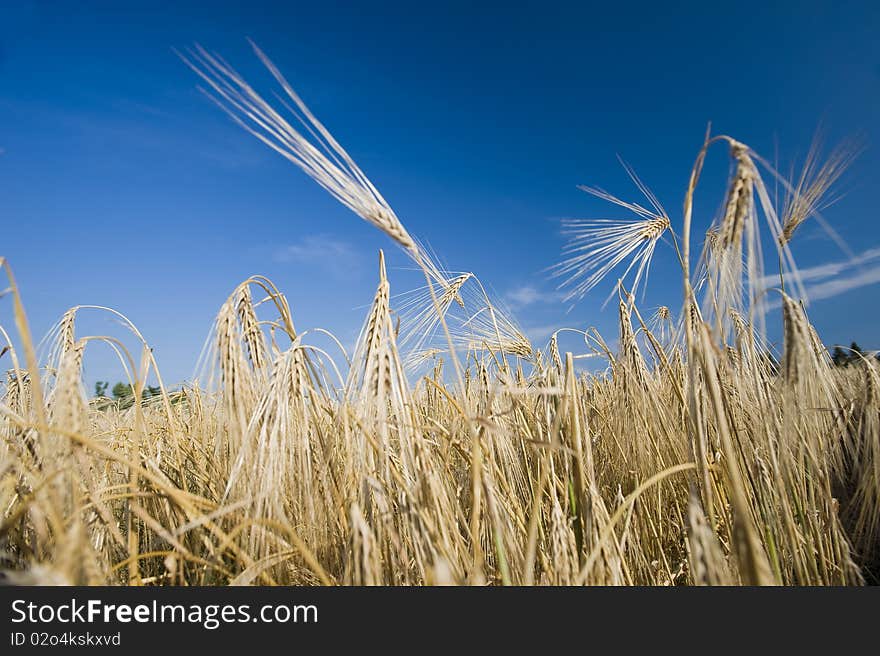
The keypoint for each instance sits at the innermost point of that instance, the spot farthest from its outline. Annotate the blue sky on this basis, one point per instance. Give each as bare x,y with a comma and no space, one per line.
121,185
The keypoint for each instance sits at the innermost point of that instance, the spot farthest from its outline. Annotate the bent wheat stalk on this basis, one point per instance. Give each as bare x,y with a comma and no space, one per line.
319,155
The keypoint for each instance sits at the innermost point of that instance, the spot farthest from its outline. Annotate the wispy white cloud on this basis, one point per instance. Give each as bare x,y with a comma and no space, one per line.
523,296
539,334
825,281
828,269
527,295
837,286
321,251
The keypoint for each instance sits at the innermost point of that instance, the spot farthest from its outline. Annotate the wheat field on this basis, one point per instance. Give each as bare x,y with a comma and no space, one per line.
445,448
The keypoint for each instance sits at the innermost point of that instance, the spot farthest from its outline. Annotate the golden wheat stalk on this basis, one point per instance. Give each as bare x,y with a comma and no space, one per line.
597,246
317,152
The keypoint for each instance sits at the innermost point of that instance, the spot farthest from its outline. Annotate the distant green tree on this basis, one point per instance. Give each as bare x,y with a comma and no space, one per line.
125,391
122,391
123,395
842,357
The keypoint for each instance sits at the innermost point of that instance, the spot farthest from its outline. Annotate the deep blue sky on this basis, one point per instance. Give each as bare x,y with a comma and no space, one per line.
121,185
